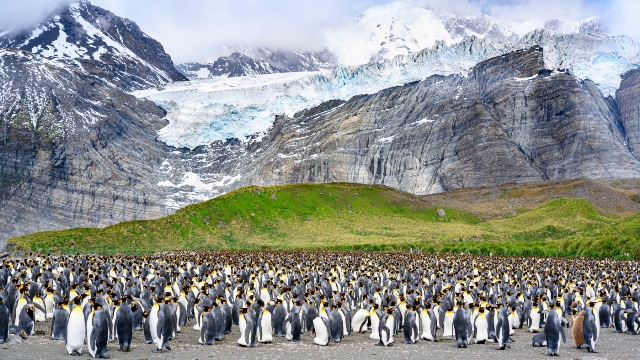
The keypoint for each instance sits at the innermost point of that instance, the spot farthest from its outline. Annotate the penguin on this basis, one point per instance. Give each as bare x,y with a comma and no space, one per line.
461,327
277,319
375,322
59,322
264,333
294,325
4,321
207,327
481,327
534,318
218,319
322,328
632,321
97,332
359,320
577,330
124,325
605,316
137,316
226,313
248,327
148,339
307,319
590,330
76,329
337,325
448,323
385,328
553,331
539,339
429,324
39,311
502,329
26,319
156,324
410,326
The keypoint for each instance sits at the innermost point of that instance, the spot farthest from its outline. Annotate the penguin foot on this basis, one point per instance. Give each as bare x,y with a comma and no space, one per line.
168,347
105,356
157,351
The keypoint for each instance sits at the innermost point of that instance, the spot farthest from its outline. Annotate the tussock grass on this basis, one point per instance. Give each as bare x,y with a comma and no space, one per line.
353,217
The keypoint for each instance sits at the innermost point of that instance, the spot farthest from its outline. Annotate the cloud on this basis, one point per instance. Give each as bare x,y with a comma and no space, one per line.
623,17
197,30
22,14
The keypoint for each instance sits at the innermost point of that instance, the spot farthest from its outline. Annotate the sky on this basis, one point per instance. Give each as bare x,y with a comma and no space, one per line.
197,30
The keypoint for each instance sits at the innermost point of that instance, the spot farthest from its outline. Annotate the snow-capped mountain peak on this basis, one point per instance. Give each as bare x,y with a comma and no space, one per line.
106,45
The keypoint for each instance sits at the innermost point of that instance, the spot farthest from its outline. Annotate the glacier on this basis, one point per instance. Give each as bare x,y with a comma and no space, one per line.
203,111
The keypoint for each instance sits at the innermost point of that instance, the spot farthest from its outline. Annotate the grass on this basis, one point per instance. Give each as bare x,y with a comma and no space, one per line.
354,217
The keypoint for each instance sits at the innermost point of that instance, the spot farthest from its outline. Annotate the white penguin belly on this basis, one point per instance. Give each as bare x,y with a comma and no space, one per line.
75,332
243,328
375,325
322,336
426,327
265,325
482,330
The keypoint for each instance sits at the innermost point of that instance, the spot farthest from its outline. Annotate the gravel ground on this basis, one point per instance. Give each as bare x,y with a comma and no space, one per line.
185,346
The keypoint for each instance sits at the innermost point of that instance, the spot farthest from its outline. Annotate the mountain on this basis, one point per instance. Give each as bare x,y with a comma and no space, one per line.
107,46
74,150
508,119
234,65
405,27
219,109
260,61
296,61
77,152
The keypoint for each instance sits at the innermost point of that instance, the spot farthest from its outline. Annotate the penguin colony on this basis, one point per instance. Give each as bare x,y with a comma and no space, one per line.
252,297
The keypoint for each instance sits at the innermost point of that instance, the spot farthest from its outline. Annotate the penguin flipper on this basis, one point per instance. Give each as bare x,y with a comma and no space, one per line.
362,325
564,336
594,330
39,307
160,323
92,339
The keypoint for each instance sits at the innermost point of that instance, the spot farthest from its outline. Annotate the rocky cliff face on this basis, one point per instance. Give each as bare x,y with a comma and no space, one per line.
509,120
108,47
74,151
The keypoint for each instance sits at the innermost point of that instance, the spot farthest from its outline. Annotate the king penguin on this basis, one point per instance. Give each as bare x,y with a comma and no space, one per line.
124,325
76,329
461,327
248,327
553,330
4,322
322,328
264,333
387,322
590,330
59,323
502,329
448,323
98,332
429,324
481,327
410,326
359,320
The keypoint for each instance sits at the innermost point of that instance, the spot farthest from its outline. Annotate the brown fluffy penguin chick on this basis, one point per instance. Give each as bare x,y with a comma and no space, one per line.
576,331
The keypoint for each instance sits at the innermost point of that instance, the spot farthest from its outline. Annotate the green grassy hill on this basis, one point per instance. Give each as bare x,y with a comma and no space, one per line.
354,217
